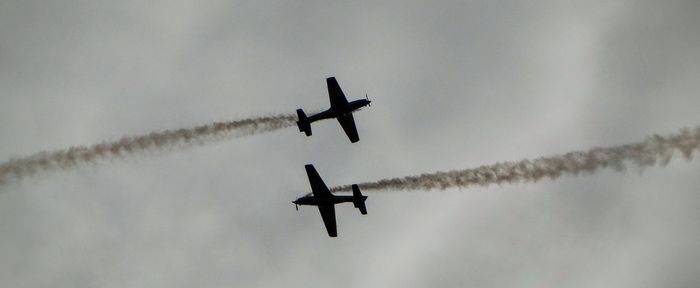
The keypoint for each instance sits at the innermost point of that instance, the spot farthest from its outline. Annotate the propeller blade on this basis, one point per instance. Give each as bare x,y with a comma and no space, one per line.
297,206
369,103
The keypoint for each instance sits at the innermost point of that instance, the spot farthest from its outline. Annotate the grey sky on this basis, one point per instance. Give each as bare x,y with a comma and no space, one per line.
454,84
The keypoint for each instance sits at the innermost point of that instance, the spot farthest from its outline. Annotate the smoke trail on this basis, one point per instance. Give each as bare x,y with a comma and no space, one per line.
169,139
655,149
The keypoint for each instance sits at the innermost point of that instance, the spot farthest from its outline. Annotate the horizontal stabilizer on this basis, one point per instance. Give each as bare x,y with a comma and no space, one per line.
303,123
358,199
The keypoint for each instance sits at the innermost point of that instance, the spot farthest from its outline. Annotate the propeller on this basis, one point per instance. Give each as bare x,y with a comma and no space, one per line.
368,102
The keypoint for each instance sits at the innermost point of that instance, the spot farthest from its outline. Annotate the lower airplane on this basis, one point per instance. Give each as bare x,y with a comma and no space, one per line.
322,197
340,109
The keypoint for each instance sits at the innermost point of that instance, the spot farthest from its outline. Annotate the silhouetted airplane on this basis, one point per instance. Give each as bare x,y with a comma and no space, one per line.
325,200
340,109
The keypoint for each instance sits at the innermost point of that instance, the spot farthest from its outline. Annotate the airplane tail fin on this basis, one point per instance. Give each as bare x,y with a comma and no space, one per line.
359,199
303,123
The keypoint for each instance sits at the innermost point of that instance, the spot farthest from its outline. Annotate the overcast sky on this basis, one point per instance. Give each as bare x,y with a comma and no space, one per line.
454,84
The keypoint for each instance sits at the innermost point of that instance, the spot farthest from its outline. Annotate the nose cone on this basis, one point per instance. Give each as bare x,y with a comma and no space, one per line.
295,201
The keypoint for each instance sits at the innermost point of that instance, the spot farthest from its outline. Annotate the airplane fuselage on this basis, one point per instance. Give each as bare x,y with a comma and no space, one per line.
322,201
335,112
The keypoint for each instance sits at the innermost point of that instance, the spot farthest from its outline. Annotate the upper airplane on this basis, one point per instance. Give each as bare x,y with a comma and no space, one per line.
340,109
322,197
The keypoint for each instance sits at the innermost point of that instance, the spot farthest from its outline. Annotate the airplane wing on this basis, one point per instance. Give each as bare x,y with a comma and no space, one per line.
335,93
318,188
348,124
328,215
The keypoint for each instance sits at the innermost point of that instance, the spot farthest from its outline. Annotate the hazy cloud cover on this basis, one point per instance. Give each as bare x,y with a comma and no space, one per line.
454,84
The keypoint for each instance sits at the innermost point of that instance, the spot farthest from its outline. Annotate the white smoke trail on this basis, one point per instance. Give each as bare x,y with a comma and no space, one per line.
169,139
654,150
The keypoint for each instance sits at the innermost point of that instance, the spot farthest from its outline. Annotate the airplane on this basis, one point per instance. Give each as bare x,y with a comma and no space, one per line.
340,109
322,197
